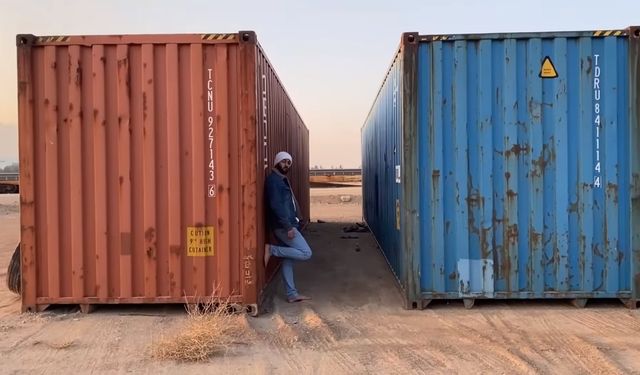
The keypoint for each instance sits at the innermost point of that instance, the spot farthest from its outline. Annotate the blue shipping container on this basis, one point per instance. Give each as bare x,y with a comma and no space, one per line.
507,166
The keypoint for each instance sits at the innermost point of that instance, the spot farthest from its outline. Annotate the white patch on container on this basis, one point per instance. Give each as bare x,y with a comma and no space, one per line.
475,277
398,175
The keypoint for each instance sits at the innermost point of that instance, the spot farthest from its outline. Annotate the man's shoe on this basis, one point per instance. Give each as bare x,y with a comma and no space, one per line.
298,298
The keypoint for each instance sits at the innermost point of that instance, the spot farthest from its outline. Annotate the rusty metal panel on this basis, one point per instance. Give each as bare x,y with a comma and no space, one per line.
139,178
280,128
526,179
381,161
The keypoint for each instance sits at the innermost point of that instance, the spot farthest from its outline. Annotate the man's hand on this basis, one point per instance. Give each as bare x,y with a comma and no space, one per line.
291,233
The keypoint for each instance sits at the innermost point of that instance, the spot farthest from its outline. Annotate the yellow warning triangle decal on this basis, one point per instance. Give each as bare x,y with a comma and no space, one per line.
548,70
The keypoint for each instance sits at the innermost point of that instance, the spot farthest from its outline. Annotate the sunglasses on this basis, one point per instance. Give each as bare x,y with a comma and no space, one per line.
286,162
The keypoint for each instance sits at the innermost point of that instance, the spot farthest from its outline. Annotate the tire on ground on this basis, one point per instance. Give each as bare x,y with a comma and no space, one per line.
13,272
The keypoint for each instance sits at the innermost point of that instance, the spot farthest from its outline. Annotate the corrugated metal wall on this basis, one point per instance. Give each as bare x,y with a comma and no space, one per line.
280,128
511,166
381,154
525,186
126,144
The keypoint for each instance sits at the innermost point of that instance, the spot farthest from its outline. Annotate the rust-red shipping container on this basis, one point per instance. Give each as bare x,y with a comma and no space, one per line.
142,164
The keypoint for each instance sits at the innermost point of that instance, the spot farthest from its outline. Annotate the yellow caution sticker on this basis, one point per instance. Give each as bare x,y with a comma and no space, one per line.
548,70
200,241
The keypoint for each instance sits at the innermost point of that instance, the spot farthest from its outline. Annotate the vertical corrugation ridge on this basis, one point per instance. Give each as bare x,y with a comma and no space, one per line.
234,184
438,172
112,180
497,90
522,152
174,197
150,91
51,170
510,158
76,173
40,146
485,160
534,106
100,171
574,71
561,143
124,169
159,243
139,64
64,172
459,110
29,108
186,170
611,184
88,150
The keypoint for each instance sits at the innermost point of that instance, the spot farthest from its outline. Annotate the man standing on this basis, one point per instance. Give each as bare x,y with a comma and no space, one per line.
284,220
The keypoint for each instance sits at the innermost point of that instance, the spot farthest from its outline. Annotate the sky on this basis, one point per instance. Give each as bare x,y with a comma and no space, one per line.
330,55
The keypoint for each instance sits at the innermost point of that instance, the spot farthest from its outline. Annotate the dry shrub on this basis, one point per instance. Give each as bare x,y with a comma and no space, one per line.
211,329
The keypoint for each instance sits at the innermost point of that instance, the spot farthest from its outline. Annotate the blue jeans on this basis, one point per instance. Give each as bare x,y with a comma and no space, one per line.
296,249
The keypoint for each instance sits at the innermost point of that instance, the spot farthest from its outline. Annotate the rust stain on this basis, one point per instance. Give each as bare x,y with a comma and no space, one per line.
475,200
150,234
453,275
144,105
512,234
540,164
78,76
484,244
504,262
517,150
511,195
573,207
535,239
125,243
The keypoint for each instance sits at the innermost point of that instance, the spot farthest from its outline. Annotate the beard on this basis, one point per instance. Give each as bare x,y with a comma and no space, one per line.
282,170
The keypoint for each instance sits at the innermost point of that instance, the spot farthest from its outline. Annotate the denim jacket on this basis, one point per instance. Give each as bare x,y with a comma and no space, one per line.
281,206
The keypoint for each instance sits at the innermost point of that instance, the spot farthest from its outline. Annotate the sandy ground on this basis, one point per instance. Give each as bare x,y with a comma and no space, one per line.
353,325
336,204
